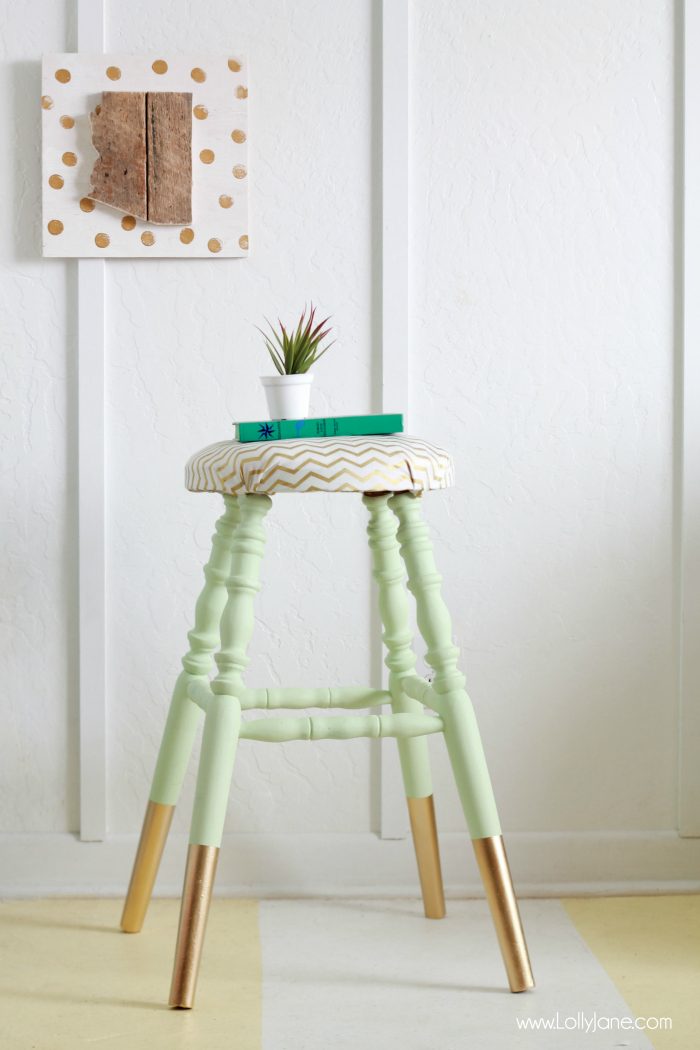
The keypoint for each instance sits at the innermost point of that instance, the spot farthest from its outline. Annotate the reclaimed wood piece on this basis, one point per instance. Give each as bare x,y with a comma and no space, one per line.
169,157
119,177
144,142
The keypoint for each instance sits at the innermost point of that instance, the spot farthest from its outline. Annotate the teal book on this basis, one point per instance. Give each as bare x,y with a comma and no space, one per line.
337,426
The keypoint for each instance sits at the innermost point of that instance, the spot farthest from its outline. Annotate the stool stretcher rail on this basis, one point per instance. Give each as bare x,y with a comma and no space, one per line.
342,696
352,696
280,730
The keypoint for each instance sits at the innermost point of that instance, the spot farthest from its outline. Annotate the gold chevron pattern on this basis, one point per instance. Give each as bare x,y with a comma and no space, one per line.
393,463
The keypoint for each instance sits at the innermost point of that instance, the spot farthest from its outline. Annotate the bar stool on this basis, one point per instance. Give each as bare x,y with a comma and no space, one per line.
391,473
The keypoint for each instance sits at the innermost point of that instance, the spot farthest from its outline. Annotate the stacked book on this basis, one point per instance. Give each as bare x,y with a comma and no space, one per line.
333,426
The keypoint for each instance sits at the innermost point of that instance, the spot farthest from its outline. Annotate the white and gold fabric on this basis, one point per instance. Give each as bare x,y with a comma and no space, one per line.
394,463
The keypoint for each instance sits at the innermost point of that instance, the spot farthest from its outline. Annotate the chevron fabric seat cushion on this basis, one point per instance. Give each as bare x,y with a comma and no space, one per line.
394,463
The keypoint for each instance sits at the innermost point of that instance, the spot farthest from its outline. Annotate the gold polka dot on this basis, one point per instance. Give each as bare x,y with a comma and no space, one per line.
102,240
87,204
187,235
56,182
160,66
62,75
46,102
234,65
147,238
67,122
225,201
214,245
198,74
128,222
239,171
207,156
238,135
243,241
55,226
113,72
241,92
201,112
69,159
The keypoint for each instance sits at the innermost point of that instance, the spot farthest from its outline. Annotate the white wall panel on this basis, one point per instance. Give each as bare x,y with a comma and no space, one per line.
542,355
39,746
184,361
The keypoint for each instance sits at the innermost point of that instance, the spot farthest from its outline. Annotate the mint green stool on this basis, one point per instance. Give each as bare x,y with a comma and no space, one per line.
391,473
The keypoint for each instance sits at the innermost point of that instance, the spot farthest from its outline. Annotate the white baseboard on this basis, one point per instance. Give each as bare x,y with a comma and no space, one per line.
362,865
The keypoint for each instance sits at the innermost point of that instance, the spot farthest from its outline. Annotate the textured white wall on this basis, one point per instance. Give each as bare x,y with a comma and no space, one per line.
38,748
542,355
184,360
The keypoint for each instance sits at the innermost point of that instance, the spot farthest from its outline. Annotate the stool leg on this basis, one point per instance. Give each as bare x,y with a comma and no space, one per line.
389,572
219,744
221,729
462,739
182,724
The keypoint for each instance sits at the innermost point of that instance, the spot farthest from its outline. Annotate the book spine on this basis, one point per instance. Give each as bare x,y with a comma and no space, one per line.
343,426
267,431
357,426
303,428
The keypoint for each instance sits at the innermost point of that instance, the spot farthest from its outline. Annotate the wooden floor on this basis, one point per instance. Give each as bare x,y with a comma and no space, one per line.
316,975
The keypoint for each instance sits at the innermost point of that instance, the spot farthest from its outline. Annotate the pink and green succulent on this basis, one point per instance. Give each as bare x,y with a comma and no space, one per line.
296,351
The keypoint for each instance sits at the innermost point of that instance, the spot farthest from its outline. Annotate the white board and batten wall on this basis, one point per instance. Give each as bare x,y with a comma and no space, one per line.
531,321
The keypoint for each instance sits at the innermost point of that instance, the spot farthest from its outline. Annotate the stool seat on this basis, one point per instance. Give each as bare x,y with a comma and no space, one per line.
386,463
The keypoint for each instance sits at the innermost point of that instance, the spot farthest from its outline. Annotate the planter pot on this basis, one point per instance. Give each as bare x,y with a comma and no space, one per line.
288,396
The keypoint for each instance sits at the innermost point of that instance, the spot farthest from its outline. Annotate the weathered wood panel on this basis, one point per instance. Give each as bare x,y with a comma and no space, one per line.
169,156
119,136
144,141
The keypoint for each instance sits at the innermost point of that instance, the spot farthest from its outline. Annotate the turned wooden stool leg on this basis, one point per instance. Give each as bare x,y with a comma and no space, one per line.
221,730
219,742
182,723
462,739
389,572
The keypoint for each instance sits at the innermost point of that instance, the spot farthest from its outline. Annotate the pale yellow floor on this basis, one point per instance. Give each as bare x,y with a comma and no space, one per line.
650,946
69,978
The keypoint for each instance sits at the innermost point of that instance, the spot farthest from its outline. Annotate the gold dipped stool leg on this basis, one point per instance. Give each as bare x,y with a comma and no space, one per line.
389,571
194,910
495,875
156,825
222,725
425,842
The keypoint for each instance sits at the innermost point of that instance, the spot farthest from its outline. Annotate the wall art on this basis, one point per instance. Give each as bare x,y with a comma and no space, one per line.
145,156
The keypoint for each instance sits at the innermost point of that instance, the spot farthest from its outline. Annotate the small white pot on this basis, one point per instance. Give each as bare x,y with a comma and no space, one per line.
288,396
